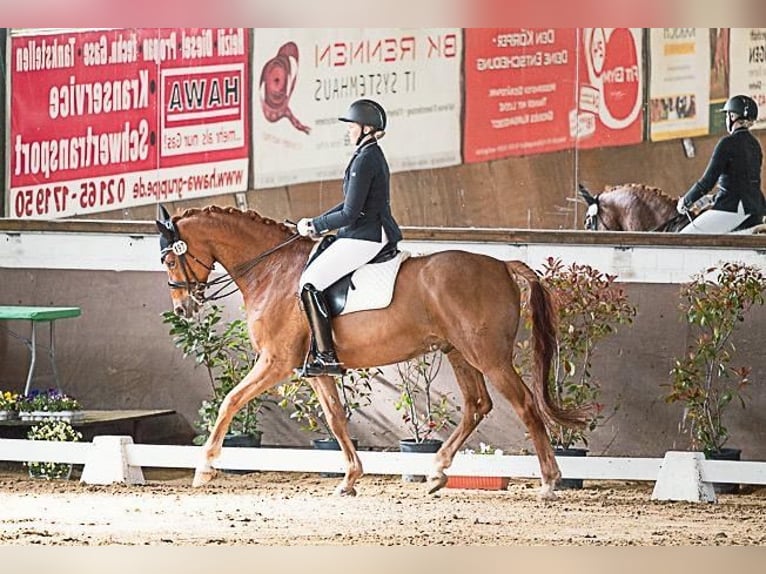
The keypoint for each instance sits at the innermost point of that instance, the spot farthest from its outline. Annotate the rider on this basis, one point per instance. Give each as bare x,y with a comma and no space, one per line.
365,226
736,166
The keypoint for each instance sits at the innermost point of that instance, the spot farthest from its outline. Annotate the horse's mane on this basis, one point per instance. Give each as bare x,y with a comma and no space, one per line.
647,191
250,214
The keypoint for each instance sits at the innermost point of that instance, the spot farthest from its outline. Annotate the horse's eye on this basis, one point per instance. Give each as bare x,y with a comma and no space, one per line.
170,263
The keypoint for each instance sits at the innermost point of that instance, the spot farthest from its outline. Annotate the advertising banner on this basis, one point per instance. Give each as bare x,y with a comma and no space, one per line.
106,119
719,77
679,85
534,90
611,92
304,79
748,67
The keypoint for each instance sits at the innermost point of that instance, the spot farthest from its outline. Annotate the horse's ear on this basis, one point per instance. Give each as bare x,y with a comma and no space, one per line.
166,229
589,199
165,224
162,213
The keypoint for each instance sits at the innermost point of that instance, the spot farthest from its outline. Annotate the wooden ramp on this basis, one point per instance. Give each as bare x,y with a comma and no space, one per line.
92,420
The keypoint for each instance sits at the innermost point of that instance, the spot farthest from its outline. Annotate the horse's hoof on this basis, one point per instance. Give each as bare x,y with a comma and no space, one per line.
345,491
547,493
202,477
436,483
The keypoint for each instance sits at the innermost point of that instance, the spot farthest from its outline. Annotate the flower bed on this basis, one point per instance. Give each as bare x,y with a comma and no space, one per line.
52,430
8,405
47,405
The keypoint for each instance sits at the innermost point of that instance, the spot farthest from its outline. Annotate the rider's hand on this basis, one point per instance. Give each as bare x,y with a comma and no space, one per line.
681,206
305,227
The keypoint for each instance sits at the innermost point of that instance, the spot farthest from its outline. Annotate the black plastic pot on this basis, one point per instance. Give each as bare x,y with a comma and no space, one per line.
725,454
570,483
252,440
411,445
330,443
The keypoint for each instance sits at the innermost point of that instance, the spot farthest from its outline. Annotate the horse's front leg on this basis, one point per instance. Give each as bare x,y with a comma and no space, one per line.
335,414
265,374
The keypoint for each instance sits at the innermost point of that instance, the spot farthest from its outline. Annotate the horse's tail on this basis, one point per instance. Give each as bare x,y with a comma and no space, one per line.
544,344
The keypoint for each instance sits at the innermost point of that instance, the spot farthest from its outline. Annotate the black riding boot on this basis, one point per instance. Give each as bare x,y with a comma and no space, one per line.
323,360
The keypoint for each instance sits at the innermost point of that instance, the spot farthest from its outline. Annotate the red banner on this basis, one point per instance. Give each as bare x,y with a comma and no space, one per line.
102,120
526,95
610,102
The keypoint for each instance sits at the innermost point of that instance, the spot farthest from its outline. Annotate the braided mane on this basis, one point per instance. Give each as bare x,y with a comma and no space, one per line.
250,214
641,190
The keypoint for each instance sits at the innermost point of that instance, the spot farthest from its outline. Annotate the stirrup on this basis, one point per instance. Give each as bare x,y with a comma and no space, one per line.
322,364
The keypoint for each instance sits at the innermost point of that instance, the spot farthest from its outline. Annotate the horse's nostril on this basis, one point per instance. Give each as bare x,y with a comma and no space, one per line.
179,310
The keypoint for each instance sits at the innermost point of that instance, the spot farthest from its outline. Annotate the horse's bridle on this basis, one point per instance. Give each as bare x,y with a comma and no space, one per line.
595,218
192,284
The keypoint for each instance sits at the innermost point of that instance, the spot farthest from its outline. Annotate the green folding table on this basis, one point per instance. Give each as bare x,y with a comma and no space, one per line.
37,315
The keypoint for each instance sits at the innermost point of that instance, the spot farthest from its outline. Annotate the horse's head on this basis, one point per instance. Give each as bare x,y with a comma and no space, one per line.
592,214
187,274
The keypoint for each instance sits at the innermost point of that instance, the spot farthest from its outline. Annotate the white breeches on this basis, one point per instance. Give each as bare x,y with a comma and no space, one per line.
714,221
342,257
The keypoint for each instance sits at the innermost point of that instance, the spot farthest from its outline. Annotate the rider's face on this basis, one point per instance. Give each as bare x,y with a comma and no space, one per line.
731,120
354,131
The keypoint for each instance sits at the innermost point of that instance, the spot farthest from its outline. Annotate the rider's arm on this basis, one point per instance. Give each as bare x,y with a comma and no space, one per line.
715,168
359,181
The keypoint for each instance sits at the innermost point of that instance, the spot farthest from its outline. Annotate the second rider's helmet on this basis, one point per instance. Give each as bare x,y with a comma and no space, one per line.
744,106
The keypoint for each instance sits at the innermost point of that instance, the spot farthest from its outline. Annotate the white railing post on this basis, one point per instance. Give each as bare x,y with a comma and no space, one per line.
680,478
107,462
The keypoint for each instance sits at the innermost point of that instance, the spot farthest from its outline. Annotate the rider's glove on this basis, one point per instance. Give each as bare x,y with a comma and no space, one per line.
305,227
681,206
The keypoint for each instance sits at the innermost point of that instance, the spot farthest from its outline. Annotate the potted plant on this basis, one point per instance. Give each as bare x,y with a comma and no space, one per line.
298,397
589,307
9,404
480,482
704,380
225,351
49,404
424,415
53,430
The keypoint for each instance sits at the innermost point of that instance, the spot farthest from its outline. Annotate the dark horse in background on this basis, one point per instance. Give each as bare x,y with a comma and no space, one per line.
639,207
465,304
632,207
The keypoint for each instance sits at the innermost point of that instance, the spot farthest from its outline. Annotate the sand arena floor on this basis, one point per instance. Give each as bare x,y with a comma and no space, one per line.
269,508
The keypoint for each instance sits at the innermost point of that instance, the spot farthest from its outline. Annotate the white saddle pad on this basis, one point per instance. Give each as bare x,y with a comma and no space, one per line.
373,285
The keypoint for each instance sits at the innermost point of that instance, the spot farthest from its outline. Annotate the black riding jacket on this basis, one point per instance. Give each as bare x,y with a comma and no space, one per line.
366,207
736,166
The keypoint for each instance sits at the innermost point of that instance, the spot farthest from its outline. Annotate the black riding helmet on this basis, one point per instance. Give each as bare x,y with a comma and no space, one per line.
744,106
366,113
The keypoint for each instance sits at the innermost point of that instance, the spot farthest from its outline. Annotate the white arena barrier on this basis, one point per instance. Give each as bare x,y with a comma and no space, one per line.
685,476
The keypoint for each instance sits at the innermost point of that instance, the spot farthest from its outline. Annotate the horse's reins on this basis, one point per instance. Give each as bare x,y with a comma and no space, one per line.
660,227
672,220
197,288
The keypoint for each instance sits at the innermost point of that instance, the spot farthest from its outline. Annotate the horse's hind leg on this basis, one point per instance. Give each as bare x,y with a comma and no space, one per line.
476,405
510,385
327,393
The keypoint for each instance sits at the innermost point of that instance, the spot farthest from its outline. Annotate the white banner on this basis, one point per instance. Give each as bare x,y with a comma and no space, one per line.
679,86
304,79
747,74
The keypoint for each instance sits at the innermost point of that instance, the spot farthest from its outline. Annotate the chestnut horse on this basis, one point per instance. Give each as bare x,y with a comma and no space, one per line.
632,207
464,304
